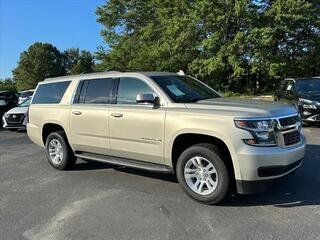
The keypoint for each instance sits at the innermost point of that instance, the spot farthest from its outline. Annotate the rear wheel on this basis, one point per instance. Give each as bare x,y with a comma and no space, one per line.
58,151
203,174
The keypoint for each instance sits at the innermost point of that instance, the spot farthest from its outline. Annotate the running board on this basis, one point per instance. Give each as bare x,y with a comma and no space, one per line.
152,167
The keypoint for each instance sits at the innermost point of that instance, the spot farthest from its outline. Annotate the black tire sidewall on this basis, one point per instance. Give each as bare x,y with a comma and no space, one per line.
223,176
65,160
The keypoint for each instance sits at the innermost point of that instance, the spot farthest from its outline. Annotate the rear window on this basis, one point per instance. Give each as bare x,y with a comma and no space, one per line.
50,93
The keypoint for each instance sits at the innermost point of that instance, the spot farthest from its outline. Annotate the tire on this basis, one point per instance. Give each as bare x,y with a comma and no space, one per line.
218,182
67,158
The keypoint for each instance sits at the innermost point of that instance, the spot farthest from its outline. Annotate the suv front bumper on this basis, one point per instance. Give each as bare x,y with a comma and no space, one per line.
19,125
261,166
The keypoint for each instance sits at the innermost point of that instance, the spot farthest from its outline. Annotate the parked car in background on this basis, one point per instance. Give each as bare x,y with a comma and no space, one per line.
168,123
11,96
6,103
25,95
304,93
16,118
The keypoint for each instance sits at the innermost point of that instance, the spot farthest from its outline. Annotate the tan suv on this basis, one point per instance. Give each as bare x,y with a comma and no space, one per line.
168,123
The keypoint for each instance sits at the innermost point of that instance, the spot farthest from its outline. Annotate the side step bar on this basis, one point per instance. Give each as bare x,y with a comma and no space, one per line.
152,167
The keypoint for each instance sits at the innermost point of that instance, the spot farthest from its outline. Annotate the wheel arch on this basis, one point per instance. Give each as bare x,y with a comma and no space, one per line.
185,139
50,127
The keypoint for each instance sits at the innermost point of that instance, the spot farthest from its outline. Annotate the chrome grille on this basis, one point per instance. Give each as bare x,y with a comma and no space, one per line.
15,118
291,138
288,130
288,121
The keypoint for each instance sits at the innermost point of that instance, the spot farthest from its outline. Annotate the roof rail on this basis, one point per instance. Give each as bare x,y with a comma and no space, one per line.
111,70
90,72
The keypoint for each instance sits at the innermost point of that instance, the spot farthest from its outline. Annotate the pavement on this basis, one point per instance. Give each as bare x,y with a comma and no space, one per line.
99,201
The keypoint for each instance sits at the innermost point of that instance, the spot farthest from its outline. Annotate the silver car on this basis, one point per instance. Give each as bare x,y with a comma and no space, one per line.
16,118
24,95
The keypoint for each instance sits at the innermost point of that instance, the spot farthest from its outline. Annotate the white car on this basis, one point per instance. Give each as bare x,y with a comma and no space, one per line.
25,95
16,118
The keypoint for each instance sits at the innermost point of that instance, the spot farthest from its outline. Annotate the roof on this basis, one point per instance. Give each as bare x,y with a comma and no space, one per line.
106,74
302,79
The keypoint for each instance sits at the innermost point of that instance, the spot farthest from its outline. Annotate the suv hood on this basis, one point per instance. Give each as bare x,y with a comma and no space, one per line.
18,110
239,107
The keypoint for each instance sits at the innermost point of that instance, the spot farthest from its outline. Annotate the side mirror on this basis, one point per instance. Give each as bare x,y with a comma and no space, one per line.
147,98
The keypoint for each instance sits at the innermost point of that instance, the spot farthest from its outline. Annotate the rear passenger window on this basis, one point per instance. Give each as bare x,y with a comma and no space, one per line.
50,93
98,91
129,88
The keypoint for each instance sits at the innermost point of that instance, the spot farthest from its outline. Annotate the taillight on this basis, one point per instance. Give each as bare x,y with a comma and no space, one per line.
28,114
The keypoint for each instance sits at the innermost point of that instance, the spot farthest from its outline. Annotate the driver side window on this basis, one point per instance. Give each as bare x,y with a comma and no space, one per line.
129,88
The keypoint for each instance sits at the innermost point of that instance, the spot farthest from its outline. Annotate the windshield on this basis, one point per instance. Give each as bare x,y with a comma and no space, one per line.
183,89
26,94
25,103
308,86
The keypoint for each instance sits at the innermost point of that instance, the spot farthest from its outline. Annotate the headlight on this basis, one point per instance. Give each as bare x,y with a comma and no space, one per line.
261,130
5,115
308,104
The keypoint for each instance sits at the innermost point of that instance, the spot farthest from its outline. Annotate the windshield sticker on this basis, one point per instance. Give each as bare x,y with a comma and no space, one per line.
175,90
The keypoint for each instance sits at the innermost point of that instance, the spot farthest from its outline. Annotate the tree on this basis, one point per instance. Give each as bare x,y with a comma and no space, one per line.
40,61
8,84
230,44
77,62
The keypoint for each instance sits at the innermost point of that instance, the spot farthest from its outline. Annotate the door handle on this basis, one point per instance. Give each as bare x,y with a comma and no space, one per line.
76,112
117,115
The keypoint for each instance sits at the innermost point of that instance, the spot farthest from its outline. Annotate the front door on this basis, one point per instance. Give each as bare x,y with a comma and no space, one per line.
136,130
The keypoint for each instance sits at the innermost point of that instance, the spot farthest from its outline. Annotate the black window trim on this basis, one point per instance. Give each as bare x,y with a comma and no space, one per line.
82,90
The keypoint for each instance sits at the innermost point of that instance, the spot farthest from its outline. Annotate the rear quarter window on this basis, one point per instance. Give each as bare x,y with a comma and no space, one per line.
50,93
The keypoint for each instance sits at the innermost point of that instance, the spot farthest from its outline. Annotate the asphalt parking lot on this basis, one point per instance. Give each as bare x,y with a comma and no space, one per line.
98,201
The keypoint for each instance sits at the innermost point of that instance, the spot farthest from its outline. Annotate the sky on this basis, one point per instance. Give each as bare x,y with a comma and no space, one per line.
63,23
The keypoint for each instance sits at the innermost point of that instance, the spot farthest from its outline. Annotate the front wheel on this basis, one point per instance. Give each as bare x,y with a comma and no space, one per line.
58,151
203,174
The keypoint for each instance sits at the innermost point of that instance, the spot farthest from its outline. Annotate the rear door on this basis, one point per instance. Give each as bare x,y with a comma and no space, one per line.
89,115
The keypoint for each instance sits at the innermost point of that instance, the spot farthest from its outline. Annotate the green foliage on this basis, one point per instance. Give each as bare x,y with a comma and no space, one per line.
8,84
40,61
230,44
77,61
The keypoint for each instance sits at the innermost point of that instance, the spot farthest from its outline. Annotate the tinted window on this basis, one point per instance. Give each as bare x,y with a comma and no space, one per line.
26,94
184,89
50,93
99,91
129,88
308,86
